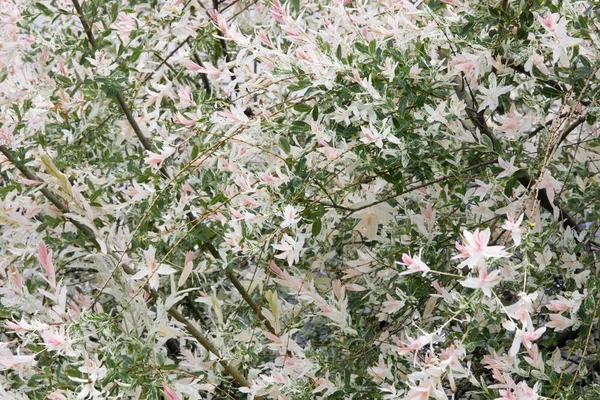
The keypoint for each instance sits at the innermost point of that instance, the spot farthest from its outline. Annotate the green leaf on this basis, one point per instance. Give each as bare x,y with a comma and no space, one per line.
550,92
95,195
44,9
15,108
361,48
591,118
64,80
114,11
316,227
300,126
466,29
373,46
510,185
52,170
302,107
195,152
284,144
487,142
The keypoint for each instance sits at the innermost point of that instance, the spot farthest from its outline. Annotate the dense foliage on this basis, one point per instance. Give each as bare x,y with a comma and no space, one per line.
312,199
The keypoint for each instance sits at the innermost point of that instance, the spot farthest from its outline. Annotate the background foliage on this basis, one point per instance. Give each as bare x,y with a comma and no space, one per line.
346,199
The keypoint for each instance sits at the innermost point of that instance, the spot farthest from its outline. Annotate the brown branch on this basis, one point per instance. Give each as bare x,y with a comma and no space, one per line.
136,128
195,332
163,62
527,181
542,126
86,27
568,131
410,189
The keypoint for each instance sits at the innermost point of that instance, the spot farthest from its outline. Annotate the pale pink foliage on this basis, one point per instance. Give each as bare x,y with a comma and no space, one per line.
475,248
45,258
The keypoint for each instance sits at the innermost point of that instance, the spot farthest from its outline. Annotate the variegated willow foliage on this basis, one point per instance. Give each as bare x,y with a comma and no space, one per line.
314,199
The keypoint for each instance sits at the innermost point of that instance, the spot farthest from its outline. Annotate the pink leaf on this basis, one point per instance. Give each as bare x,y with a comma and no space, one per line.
45,258
169,393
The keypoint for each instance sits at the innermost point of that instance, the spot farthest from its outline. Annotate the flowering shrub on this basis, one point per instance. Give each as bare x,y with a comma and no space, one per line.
333,199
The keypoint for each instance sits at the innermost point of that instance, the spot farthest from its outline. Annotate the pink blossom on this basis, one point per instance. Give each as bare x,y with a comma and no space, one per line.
353,287
125,24
219,20
475,248
557,38
245,182
556,29
157,159
526,337
524,392
425,391
414,264
471,65
411,345
514,227
169,393
187,268
185,97
279,13
538,61
522,309
153,269
10,361
414,72
23,326
268,178
551,185
535,358
56,395
208,69
392,305
138,192
289,215
559,322
27,182
497,362
57,340
290,249
485,282
330,152
45,258
562,304
437,115
262,35
180,119
250,201
508,167
491,93
371,217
